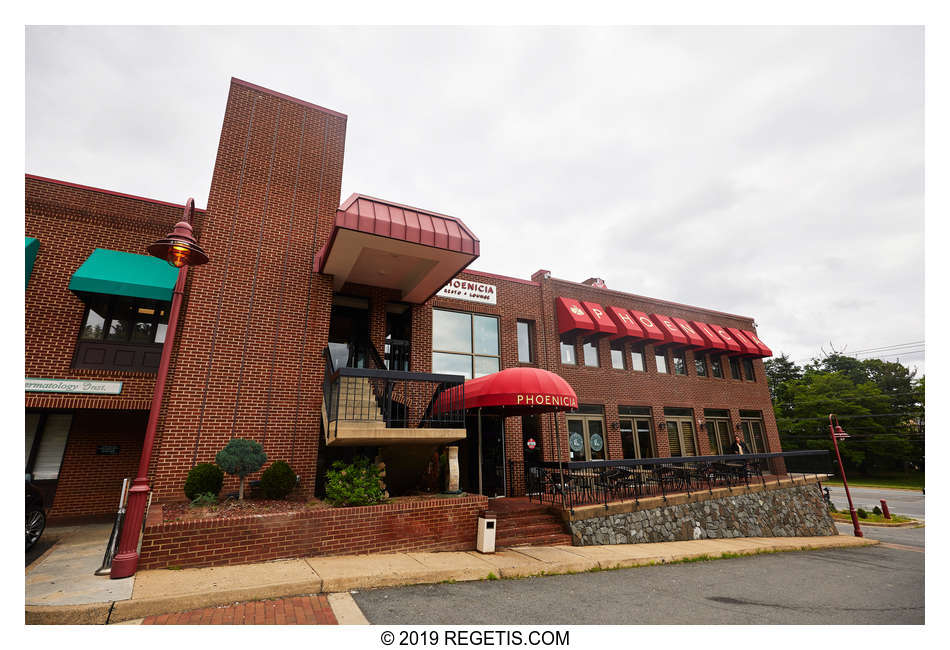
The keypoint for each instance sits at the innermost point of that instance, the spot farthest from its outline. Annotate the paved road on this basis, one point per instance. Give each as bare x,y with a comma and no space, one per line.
899,502
905,536
874,585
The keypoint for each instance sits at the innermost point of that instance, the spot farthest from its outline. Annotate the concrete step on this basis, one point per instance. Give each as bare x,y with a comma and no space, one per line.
560,539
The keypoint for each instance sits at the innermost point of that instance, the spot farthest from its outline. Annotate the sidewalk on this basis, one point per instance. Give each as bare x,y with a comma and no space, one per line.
165,591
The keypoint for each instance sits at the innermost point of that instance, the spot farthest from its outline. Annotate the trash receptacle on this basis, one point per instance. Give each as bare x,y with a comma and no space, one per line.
485,540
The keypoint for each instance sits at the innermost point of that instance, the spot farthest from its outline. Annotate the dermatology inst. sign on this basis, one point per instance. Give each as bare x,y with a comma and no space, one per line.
470,291
76,386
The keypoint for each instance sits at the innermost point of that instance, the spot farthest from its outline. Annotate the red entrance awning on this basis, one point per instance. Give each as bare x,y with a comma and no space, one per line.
694,339
572,317
602,322
515,391
763,348
748,347
712,341
671,332
626,325
651,330
731,344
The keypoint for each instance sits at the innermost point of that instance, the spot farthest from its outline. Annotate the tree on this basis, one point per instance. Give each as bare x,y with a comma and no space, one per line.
778,371
241,457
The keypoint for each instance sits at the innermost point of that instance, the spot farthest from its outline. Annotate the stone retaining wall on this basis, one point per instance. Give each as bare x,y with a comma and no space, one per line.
796,511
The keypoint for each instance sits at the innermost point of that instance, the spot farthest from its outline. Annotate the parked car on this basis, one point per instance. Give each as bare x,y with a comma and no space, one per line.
35,514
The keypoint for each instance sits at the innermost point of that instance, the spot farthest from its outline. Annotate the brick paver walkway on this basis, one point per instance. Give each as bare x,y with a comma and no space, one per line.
300,610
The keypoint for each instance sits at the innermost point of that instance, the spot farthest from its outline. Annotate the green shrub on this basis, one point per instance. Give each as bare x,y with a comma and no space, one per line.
203,478
354,484
862,513
204,499
241,457
877,510
278,480
832,508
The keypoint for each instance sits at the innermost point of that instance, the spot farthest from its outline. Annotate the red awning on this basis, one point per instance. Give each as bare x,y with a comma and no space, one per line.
748,347
712,341
763,348
651,330
626,325
571,316
670,330
602,321
731,344
695,340
516,391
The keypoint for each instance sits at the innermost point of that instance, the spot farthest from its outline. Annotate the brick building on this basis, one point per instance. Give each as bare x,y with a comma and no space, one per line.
371,300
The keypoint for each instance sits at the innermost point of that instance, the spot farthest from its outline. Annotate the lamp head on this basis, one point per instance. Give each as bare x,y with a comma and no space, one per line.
179,247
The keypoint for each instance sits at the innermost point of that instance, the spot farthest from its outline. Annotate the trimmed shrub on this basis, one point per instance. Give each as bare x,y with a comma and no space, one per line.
877,510
354,484
862,513
278,480
202,479
241,457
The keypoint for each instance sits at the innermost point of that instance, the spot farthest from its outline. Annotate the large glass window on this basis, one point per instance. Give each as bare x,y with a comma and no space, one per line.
753,430
749,369
680,432
661,362
719,430
590,354
525,341
464,343
568,351
124,320
636,356
636,435
679,362
734,368
586,440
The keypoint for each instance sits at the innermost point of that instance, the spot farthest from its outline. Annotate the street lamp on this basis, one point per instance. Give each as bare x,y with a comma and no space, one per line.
180,249
838,433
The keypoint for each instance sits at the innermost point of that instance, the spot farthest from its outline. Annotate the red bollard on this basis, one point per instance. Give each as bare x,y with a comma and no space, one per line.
887,513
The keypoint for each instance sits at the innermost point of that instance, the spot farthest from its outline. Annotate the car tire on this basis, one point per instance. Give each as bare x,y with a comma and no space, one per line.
35,524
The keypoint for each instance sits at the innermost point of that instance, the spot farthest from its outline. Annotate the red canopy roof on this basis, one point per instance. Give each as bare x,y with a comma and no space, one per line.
671,331
763,348
747,346
691,335
571,316
515,391
626,325
731,344
602,322
712,341
650,329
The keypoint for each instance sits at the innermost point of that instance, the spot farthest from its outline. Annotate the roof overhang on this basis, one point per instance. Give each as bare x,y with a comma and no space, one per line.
382,244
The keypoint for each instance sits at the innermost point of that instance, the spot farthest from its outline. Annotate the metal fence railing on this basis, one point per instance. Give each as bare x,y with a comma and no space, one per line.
572,484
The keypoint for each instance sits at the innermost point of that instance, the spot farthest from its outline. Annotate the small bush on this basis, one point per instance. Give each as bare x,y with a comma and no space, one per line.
877,510
204,499
203,478
354,484
278,480
862,513
832,508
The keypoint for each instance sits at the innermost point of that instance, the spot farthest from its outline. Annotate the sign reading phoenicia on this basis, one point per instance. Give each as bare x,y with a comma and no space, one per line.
470,291
78,386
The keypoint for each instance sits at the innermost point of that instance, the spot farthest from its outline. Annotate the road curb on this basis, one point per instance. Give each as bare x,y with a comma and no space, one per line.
557,563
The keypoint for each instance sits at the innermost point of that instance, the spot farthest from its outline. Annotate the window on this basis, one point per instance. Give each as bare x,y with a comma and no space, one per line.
46,435
637,357
525,341
716,365
618,359
124,320
700,361
464,343
661,362
568,351
719,430
680,432
752,430
586,439
734,368
749,369
636,431
679,363
590,354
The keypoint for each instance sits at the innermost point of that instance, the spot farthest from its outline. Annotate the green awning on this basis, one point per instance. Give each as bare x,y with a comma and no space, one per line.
125,274
32,248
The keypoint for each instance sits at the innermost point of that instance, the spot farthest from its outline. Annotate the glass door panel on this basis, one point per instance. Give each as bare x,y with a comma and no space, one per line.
645,439
595,440
673,433
575,438
689,441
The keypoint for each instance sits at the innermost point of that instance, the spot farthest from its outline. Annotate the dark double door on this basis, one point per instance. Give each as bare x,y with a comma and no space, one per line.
489,456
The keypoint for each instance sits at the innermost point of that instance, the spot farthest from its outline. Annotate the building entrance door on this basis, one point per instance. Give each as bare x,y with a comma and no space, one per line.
585,437
349,327
681,436
486,475
531,448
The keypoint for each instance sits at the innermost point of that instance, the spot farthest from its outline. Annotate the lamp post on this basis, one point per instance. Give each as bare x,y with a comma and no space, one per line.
838,433
180,249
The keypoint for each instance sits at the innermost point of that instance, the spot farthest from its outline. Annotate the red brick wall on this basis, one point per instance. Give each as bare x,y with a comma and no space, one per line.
434,525
89,484
249,360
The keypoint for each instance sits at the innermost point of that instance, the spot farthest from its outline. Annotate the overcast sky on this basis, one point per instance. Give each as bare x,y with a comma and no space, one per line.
776,173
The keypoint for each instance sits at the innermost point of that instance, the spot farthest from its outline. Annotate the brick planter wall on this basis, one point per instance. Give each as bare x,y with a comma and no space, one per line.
434,525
